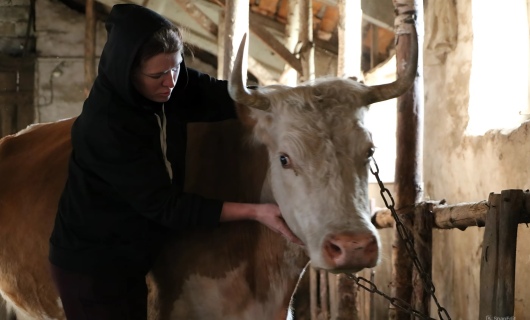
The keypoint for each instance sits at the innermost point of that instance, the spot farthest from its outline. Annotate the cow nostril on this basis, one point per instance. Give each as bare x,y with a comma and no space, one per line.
333,249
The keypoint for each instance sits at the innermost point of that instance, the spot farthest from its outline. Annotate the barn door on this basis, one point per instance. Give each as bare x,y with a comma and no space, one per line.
16,93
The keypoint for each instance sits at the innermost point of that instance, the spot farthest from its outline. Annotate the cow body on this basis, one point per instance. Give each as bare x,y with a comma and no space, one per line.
240,270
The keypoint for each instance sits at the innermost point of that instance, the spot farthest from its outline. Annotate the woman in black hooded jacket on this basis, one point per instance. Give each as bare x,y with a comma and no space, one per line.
124,191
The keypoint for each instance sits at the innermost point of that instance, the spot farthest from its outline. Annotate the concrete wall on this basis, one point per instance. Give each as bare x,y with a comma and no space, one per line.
14,16
462,168
60,69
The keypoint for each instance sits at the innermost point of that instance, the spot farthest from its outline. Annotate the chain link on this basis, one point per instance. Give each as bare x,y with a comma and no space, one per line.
409,245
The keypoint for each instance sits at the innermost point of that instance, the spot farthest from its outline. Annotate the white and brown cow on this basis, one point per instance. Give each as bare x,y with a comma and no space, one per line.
304,147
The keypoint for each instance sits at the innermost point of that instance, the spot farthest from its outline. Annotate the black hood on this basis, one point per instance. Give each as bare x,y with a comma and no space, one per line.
129,26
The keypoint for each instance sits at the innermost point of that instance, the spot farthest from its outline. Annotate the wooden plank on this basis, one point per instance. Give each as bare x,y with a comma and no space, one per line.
90,45
409,133
324,294
200,17
346,296
16,93
276,46
313,292
349,31
8,81
423,222
7,119
459,216
307,50
497,269
236,25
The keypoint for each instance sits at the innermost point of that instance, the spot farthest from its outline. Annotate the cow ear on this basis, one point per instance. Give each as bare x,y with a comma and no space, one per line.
264,127
244,116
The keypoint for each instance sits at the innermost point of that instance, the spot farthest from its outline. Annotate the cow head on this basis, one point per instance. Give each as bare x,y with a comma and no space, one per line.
319,152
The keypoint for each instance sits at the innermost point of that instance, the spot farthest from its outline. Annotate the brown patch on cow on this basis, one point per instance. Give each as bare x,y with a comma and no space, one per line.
199,252
28,204
34,169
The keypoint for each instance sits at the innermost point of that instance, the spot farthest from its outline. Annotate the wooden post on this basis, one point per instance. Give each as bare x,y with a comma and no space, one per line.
497,269
350,38
348,65
313,292
423,224
292,32
307,58
307,51
235,25
409,134
221,46
90,45
17,79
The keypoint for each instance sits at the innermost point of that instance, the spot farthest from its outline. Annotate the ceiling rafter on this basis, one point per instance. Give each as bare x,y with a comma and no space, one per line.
259,31
199,16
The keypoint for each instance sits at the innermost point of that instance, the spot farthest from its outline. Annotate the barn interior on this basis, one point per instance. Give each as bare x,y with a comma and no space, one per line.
475,128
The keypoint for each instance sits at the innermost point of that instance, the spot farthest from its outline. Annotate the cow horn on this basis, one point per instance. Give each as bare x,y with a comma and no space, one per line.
237,89
401,85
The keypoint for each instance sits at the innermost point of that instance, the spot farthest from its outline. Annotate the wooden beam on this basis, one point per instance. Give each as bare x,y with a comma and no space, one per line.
348,65
260,72
350,39
211,27
221,46
459,216
90,45
409,134
292,31
497,269
236,25
200,17
275,45
307,50
422,233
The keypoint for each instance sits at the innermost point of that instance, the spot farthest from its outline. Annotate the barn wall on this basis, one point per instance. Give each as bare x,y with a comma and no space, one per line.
60,34
60,62
463,168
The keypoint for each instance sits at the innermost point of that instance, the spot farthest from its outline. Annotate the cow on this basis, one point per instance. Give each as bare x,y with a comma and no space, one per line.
302,147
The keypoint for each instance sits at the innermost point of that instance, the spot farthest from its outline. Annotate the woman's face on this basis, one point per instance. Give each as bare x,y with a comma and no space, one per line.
156,77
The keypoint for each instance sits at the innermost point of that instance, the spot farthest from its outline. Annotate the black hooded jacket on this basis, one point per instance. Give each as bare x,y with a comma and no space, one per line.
120,200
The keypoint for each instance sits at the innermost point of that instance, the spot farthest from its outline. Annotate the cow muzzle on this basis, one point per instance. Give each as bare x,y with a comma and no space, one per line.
349,252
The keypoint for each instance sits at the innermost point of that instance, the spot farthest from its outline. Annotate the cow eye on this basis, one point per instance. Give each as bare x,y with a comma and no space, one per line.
370,152
285,161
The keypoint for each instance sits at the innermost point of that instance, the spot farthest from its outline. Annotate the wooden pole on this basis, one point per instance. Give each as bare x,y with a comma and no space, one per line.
292,32
307,51
459,216
221,46
348,65
423,222
235,25
350,38
408,176
313,292
90,45
307,58
497,269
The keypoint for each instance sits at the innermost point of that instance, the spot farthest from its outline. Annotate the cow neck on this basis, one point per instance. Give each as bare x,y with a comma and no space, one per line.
266,195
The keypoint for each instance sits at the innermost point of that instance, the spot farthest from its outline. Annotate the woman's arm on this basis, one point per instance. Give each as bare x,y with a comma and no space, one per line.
267,214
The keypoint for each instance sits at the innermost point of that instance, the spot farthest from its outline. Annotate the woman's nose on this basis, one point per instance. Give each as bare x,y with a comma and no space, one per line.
169,80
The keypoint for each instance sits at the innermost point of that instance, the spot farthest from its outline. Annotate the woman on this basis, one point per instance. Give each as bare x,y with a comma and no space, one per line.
124,191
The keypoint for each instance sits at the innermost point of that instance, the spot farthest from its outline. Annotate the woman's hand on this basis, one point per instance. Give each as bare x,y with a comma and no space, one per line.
267,214
270,215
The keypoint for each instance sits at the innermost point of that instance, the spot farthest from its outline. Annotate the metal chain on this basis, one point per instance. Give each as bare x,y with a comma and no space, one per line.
396,302
409,245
